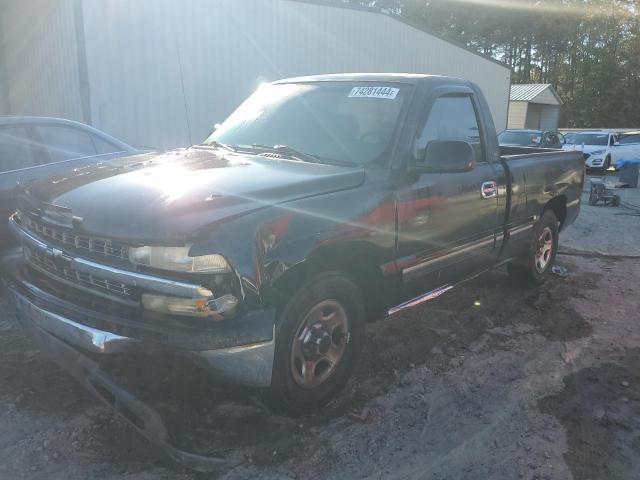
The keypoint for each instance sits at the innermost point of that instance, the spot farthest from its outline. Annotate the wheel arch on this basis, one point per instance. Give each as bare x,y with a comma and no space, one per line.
558,205
359,263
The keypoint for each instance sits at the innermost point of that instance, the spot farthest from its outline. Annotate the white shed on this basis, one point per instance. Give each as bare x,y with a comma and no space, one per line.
161,72
534,106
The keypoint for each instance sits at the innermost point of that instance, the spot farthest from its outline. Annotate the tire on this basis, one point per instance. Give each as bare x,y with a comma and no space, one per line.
529,267
605,166
296,388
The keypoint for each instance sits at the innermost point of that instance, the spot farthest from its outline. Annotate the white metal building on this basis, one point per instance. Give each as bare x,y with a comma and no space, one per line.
162,72
535,106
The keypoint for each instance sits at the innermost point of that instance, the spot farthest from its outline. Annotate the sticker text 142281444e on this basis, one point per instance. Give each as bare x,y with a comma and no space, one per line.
374,92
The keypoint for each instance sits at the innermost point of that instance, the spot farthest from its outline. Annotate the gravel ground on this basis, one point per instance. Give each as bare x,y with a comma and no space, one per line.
607,230
492,380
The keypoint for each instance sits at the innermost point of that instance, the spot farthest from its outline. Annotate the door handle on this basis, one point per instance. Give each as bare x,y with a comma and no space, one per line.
489,190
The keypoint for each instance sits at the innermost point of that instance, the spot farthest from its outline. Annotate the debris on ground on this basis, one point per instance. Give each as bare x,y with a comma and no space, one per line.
599,192
559,270
363,415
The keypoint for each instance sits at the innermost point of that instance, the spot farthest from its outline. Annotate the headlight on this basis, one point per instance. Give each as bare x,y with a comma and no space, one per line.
177,259
598,152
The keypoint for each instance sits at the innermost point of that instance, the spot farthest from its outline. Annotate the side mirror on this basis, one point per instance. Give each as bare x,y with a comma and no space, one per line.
449,156
616,144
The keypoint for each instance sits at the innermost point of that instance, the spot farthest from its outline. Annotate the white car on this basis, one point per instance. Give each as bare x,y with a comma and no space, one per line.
626,148
596,146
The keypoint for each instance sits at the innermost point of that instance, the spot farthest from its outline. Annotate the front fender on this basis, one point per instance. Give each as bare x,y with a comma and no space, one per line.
267,245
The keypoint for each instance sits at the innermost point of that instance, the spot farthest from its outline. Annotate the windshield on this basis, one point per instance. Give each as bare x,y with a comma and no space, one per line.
587,138
340,121
525,139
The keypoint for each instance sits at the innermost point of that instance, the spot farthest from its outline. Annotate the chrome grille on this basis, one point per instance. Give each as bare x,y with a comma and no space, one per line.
96,245
43,262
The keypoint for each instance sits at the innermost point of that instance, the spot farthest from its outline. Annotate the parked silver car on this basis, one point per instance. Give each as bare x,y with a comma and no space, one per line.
33,148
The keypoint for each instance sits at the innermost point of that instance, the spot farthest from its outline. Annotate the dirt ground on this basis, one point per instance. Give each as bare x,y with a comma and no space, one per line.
492,380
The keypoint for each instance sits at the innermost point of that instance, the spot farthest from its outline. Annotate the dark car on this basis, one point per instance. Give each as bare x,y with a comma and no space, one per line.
35,148
531,138
320,203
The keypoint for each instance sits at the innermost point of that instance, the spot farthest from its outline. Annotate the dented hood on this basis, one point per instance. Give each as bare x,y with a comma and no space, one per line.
166,197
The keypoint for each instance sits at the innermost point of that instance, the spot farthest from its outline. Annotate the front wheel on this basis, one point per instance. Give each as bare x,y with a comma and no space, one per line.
536,263
318,339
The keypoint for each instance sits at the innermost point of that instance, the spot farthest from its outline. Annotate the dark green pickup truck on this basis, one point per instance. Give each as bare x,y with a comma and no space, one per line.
322,202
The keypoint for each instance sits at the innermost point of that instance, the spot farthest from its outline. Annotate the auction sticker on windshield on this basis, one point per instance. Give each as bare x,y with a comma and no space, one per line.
374,92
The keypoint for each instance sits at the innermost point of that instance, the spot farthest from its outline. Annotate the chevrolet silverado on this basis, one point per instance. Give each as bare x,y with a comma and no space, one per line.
321,202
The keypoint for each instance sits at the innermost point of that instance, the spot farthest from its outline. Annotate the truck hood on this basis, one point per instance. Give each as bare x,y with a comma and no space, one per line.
166,197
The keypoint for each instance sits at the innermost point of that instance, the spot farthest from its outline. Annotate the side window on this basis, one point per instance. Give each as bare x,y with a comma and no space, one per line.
103,146
451,118
630,140
64,143
15,149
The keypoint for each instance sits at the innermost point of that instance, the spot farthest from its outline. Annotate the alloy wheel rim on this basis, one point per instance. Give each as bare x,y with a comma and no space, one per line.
319,344
544,250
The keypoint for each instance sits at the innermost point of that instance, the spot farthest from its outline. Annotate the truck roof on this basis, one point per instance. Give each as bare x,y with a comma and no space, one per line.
409,78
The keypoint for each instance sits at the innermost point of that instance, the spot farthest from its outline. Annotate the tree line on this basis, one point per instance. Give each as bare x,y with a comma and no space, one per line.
589,50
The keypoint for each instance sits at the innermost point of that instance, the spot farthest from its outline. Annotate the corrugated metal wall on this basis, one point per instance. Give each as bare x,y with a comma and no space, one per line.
40,58
162,72
4,74
517,114
540,116
550,117
159,68
534,111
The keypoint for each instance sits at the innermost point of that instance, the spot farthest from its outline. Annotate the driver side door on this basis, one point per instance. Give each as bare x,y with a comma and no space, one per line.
447,222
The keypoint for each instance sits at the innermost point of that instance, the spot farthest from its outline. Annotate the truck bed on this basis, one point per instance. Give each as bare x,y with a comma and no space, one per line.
535,176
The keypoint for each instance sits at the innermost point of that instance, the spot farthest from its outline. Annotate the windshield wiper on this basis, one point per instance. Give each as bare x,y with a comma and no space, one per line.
216,144
298,155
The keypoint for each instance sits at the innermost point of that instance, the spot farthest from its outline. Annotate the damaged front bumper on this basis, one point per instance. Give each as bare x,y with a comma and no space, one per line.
89,374
65,333
222,353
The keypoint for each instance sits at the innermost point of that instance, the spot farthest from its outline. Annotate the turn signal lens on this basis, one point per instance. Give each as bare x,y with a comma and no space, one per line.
217,309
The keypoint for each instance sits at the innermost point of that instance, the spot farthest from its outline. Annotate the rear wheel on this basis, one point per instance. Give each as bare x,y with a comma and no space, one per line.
320,335
536,263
